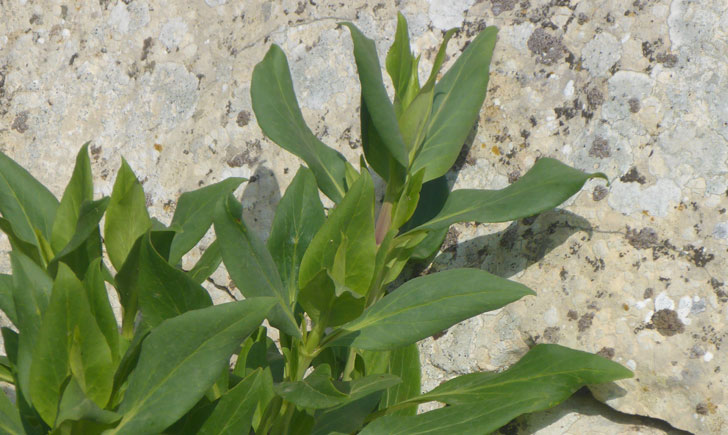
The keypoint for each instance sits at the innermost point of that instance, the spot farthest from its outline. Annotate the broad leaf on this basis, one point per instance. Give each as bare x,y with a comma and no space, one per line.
31,250
25,202
316,391
86,232
181,359
31,293
234,411
406,315
194,215
280,118
164,290
483,402
374,94
298,217
545,186
69,342
126,216
207,264
250,265
329,304
458,98
75,405
79,190
353,220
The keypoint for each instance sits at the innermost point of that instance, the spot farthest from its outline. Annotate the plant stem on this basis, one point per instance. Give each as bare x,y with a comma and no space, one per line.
349,365
384,221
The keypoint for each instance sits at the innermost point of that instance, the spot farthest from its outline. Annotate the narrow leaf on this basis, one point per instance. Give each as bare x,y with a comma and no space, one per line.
483,402
126,217
405,315
375,95
9,417
75,405
234,411
25,202
7,304
298,217
101,307
79,190
280,118
400,60
316,391
207,264
404,363
181,359
164,290
194,215
251,266
456,105
87,226
545,186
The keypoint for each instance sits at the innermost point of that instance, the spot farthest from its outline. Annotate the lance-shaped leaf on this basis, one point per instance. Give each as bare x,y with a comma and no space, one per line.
75,405
69,342
426,305
456,105
375,95
25,202
352,219
276,109
234,411
377,155
298,217
100,306
194,215
164,290
483,402
126,216
31,293
404,363
85,244
79,190
328,303
251,266
545,186
207,264
400,63
181,359
7,304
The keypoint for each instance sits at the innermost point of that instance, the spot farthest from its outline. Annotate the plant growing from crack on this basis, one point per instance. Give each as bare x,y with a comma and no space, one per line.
346,360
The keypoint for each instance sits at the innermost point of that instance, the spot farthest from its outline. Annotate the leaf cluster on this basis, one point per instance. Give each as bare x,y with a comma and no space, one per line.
346,359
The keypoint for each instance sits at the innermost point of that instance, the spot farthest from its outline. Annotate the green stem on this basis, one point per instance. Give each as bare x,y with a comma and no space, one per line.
349,365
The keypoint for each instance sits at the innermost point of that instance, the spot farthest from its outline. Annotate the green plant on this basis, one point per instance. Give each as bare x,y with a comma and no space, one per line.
346,359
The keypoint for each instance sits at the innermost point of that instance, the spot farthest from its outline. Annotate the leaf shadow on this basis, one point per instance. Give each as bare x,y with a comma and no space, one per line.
584,403
523,243
260,198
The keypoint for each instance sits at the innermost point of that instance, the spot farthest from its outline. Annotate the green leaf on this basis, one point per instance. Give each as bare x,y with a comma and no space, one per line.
31,293
25,202
234,411
194,215
374,94
9,417
376,153
483,402
31,250
79,190
407,203
69,341
404,363
456,105
181,359
347,418
100,306
298,217
329,304
406,315
280,118
7,304
316,391
164,290
85,232
352,219
75,405
126,216
400,62
251,266
207,264
545,186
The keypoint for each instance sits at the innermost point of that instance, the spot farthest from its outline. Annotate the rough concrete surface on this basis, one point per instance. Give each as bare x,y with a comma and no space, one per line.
637,89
